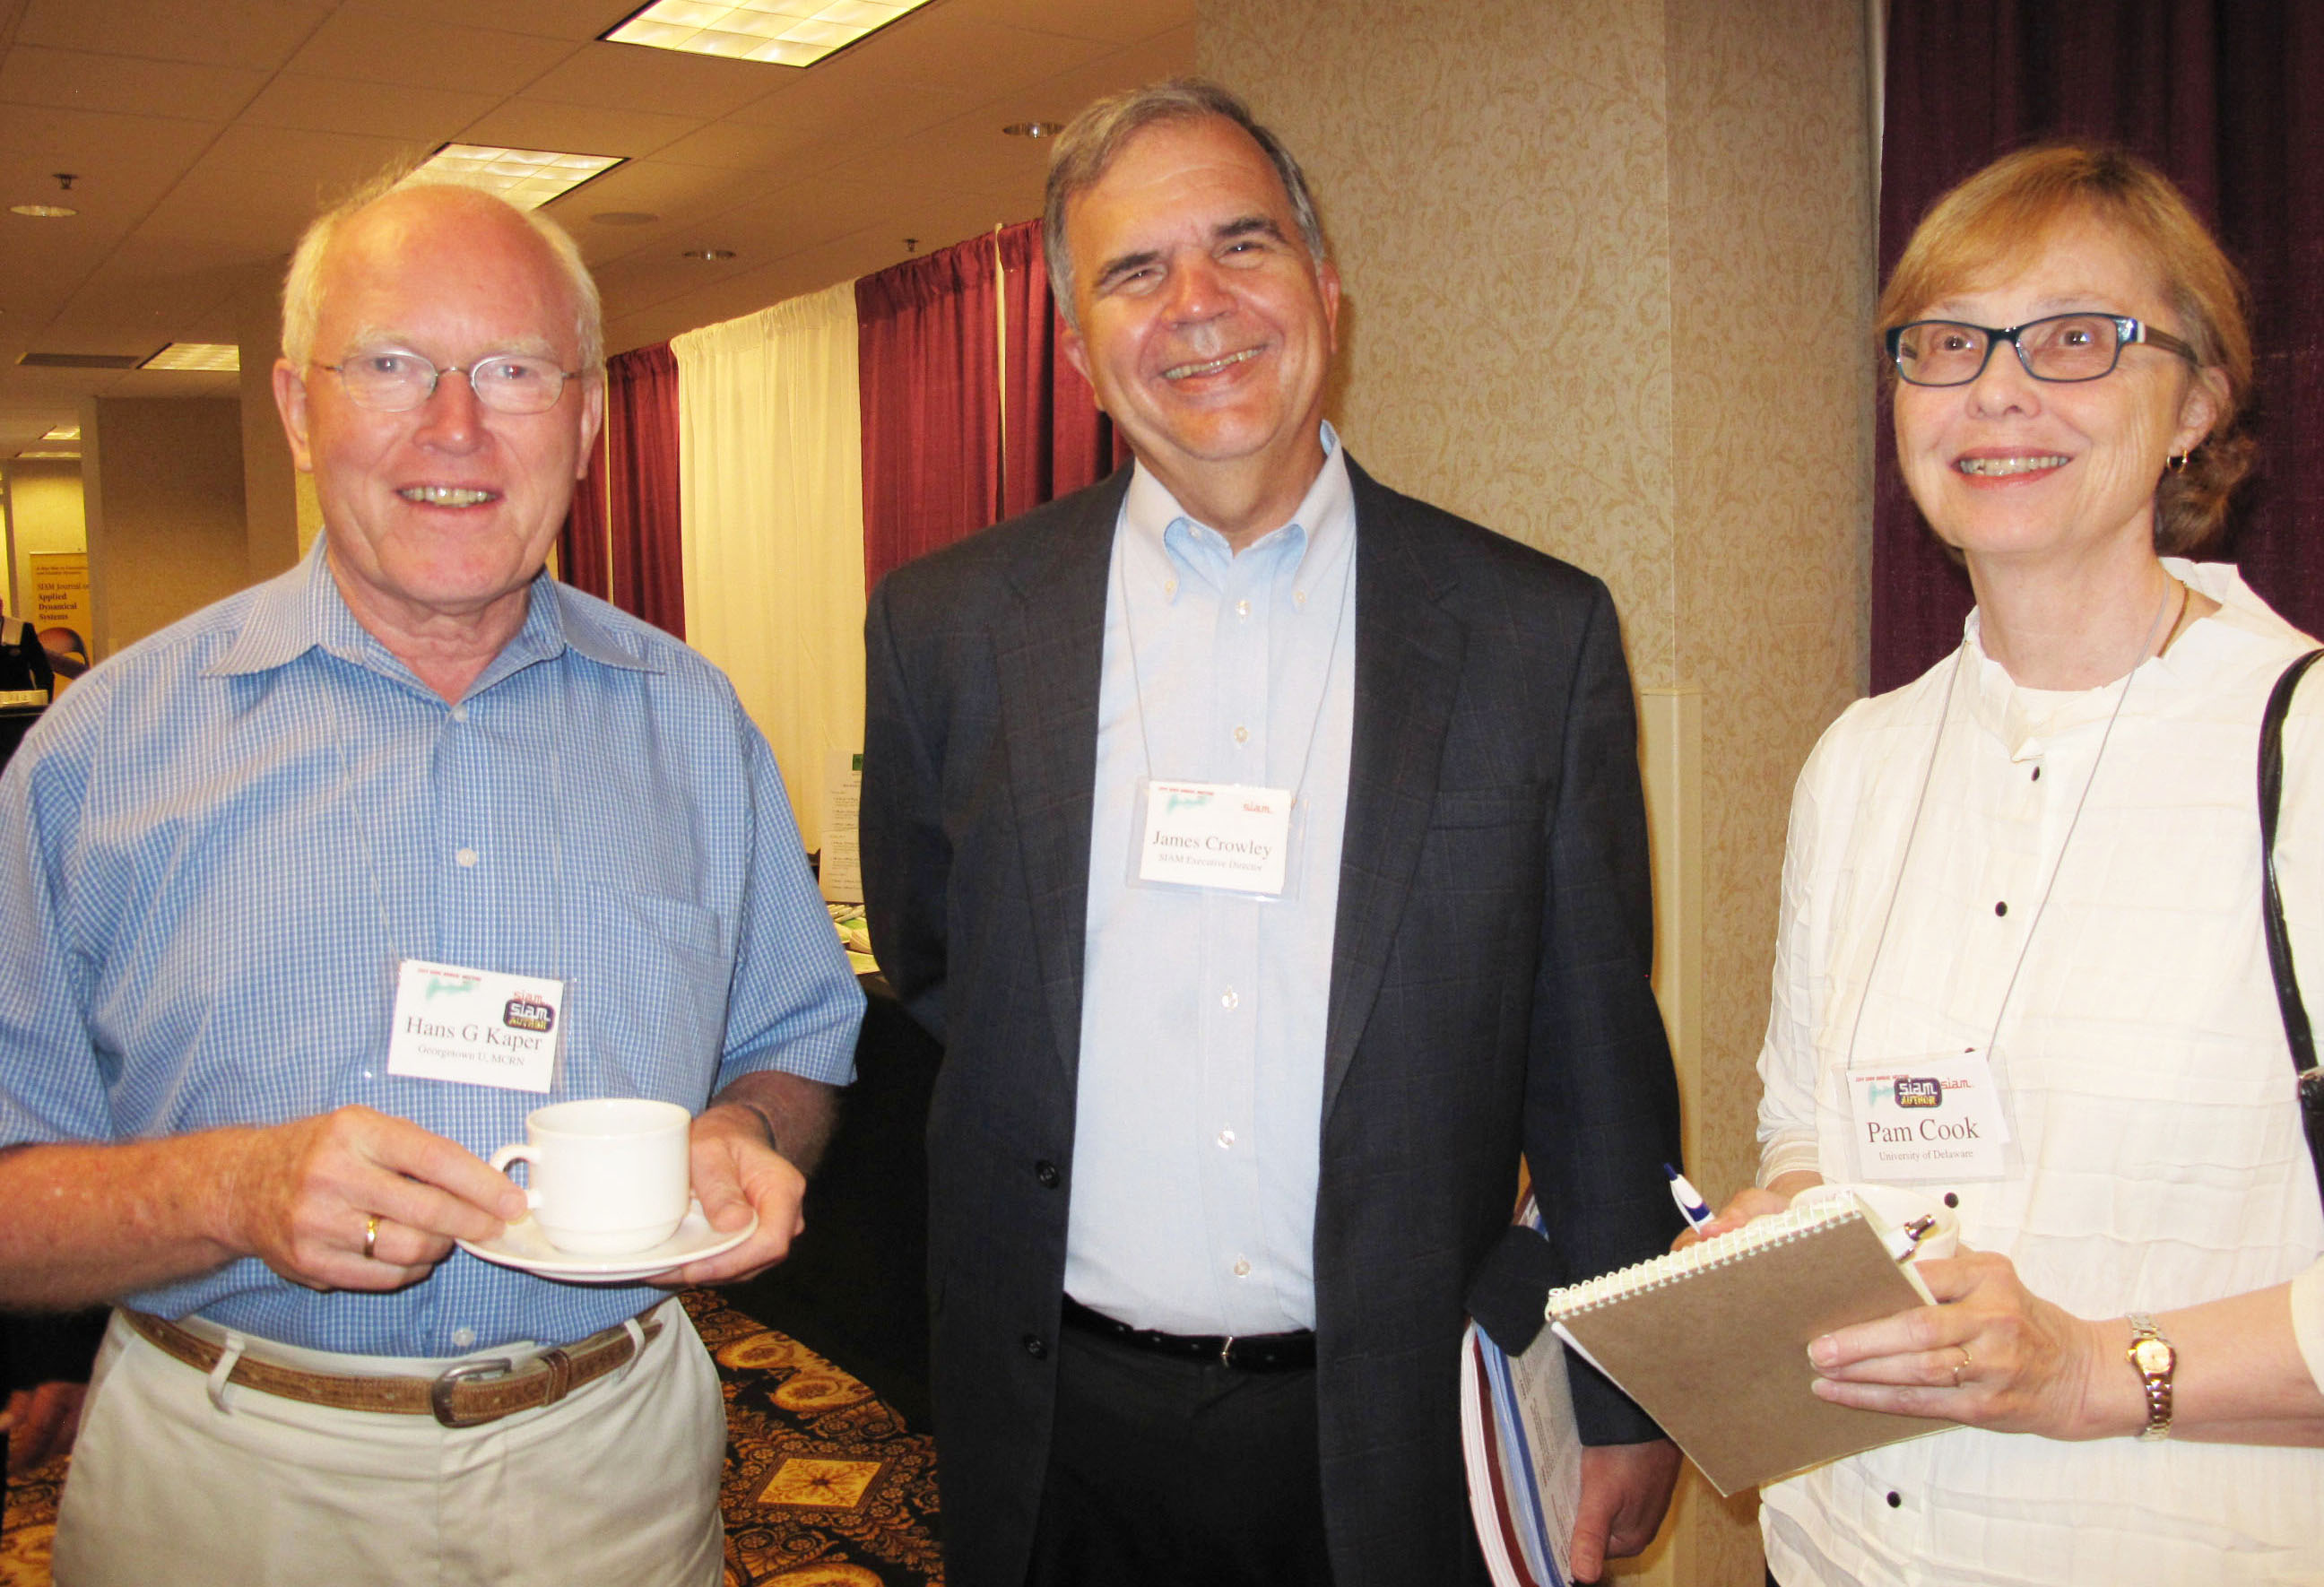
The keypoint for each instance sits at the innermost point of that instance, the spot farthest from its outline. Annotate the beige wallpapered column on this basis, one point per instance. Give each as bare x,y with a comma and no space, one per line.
1609,267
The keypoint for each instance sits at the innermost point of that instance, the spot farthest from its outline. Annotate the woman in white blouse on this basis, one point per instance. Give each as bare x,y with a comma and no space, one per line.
2035,870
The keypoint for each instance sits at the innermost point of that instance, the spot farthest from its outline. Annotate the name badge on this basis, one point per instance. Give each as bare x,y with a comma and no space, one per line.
1938,1117
477,1027
1215,835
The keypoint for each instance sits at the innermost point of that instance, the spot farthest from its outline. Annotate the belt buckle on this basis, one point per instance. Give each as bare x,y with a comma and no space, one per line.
440,1392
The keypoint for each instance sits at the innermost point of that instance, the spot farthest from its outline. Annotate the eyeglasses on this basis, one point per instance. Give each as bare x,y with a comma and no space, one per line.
391,381
2063,347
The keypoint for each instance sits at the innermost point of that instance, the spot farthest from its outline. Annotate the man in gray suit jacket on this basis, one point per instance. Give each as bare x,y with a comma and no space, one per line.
1266,850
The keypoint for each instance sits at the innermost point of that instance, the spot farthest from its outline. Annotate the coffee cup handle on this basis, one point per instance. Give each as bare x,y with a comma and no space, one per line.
520,1154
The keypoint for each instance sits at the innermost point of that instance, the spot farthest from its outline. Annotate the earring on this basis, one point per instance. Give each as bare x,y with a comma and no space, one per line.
2176,463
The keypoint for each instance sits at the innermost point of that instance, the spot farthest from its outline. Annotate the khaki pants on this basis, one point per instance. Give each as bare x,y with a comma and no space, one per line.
616,1484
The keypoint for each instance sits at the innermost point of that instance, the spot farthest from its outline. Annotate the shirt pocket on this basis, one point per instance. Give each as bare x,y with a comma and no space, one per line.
656,972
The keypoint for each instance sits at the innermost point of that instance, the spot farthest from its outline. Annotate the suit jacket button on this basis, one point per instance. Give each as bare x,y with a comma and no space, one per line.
1046,1173
1036,1346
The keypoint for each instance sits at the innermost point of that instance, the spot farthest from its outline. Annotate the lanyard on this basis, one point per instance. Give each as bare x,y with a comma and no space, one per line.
1928,773
359,823
1331,662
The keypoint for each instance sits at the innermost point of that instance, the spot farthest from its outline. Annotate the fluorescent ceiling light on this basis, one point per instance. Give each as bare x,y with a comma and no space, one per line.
53,456
526,178
63,432
207,357
784,32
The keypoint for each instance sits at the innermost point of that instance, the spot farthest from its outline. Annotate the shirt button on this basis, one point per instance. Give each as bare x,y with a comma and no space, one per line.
464,1337
1229,1001
2037,774
459,712
1036,1346
1242,608
1242,1268
468,857
2001,908
1896,1499
1298,597
1170,588
1046,1172
1243,735
1226,1139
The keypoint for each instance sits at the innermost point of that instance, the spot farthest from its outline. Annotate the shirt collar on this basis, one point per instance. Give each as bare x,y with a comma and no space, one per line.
303,610
1319,527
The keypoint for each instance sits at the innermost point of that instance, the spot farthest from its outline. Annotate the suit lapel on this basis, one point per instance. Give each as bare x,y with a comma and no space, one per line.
1409,653
1048,657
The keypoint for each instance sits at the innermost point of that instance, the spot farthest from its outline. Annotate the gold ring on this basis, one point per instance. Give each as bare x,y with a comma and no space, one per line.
371,1240
1966,1362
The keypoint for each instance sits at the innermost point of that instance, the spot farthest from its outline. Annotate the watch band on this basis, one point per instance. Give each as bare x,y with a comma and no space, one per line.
2154,1358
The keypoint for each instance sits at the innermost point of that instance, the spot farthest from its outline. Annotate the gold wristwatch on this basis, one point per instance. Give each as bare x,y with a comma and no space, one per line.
2154,1358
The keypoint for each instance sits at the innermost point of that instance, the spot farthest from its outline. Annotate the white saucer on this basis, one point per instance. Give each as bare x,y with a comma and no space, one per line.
522,1245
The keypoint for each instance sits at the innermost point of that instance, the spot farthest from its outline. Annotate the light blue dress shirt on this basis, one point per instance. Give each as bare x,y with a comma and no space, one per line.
216,848
1199,1108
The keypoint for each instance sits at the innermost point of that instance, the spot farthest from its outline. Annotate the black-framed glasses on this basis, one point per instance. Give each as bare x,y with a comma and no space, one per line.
394,380
2060,349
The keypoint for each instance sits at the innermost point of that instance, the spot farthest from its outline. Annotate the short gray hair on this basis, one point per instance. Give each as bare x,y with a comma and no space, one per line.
1087,149
302,286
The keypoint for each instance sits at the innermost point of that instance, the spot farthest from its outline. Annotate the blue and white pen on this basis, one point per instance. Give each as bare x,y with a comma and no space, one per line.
1689,1200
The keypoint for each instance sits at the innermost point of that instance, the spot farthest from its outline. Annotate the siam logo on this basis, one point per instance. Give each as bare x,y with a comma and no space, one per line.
524,1014
1922,1092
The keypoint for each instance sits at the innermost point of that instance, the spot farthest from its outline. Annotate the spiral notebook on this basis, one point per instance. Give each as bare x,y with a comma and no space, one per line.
1712,1341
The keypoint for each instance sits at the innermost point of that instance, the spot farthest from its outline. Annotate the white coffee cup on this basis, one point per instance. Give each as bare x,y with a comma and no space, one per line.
608,1175
1893,1207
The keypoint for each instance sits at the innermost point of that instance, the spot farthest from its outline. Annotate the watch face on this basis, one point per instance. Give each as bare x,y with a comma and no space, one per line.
2152,1355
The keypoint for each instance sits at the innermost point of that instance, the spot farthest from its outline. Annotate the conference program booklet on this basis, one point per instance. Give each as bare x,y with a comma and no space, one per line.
1523,1451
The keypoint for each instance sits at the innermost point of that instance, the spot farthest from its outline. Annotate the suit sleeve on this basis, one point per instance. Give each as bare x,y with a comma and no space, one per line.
1601,1103
906,857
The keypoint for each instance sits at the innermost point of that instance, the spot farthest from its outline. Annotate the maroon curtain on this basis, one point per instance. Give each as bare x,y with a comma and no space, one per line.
927,339
1057,440
2219,94
581,543
641,425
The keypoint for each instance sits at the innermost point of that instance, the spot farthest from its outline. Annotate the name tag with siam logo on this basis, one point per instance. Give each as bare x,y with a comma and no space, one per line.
1938,1117
1221,836
477,1027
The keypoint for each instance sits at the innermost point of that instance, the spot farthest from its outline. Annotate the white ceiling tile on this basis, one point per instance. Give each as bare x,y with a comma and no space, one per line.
261,34
382,49
571,20
625,77
76,79
526,123
1108,21
346,104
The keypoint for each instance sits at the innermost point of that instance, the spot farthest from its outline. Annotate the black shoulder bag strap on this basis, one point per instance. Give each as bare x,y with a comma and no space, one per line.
2296,1029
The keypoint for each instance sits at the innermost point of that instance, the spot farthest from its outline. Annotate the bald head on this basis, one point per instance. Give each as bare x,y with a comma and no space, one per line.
384,215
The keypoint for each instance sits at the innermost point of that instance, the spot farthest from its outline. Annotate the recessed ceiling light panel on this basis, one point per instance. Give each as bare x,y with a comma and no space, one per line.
43,211
526,178
63,432
781,32
203,357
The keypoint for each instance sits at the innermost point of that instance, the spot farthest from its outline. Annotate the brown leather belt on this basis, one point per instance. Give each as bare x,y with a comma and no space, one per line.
467,1395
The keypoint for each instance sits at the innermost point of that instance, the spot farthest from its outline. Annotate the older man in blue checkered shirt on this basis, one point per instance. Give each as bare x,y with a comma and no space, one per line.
216,856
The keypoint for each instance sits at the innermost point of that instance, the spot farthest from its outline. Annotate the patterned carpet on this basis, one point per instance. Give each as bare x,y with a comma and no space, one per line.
825,1487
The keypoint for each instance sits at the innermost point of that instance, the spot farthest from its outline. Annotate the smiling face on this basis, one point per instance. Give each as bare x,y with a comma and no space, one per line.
2016,471
1204,325
448,510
